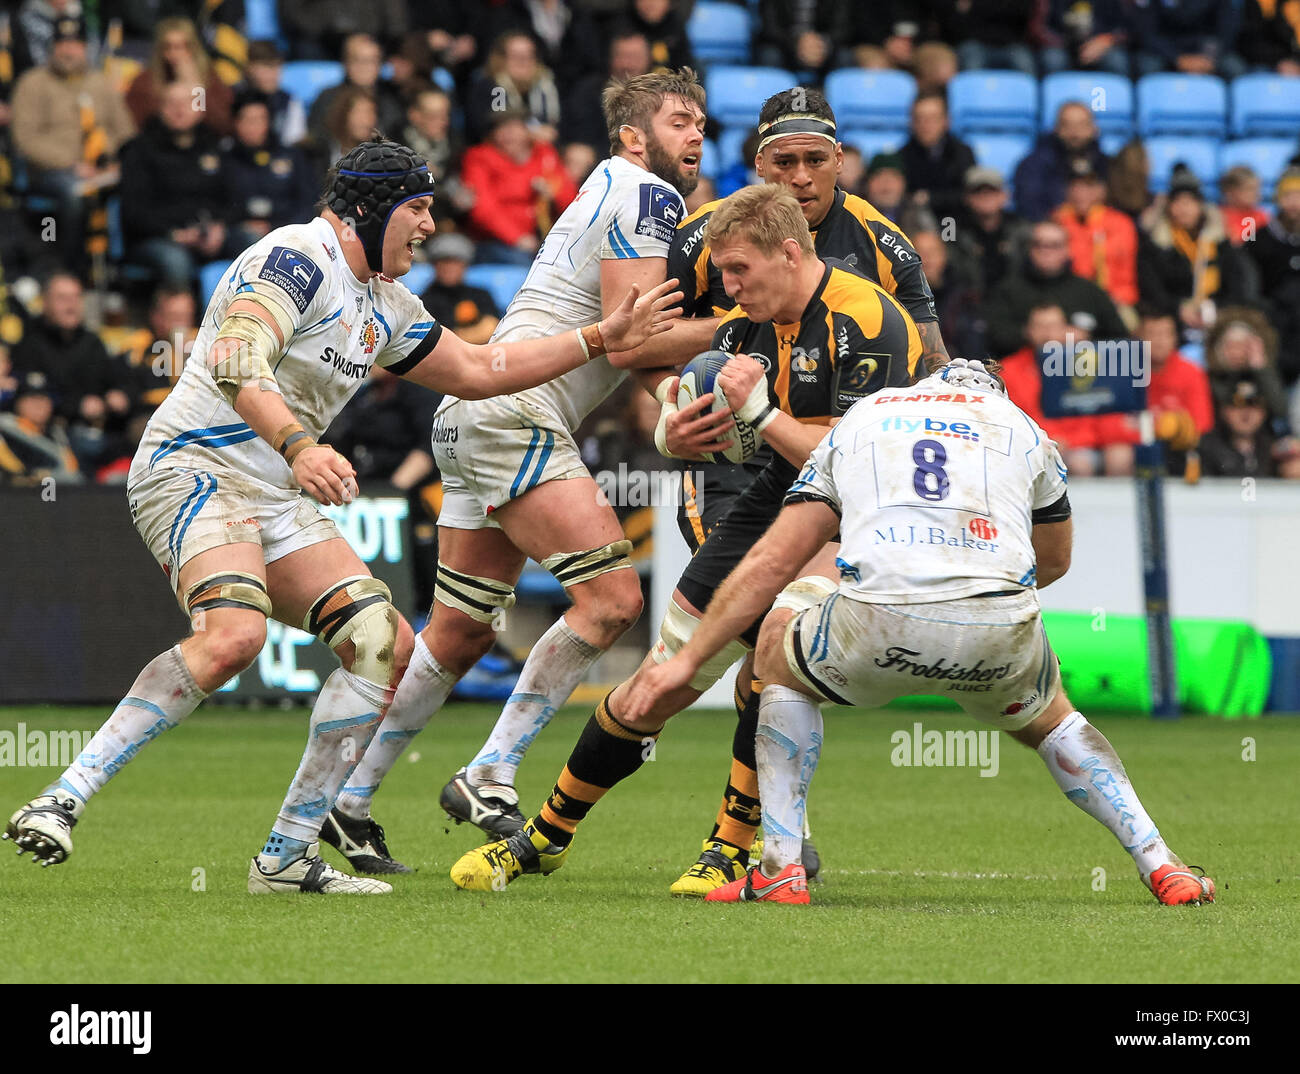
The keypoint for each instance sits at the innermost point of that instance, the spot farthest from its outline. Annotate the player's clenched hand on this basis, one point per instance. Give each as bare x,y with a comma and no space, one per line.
744,383
325,474
638,316
650,686
693,430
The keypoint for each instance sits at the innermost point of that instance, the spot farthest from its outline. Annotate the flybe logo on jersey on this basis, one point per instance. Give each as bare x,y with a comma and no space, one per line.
660,211
929,427
294,273
346,366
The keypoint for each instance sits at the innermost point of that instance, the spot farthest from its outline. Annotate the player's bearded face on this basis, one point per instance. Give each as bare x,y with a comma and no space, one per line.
670,166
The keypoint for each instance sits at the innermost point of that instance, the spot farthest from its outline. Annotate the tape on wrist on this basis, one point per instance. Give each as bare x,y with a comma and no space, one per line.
295,445
593,341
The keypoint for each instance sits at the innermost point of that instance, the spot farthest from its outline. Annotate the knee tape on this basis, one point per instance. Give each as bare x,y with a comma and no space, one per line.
805,592
359,610
479,598
676,631
570,568
228,589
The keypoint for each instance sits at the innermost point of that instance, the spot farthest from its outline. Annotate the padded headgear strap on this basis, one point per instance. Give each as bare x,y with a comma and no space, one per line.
372,181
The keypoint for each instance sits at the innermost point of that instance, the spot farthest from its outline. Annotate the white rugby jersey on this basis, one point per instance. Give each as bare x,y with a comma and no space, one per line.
935,488
621,211
341,328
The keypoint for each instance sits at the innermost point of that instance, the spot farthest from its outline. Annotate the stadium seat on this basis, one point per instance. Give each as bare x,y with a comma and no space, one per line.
731,147
1005,101
209,279
735,94
719,32
1001,152
1199,154
500,281
871,142
710,159
1113,143
304,79
873,99
1108,97
261,20
419,278
1265,105
1269,158
1182,104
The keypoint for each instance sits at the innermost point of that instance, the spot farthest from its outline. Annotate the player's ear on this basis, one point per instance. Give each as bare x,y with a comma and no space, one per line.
629,136
839,157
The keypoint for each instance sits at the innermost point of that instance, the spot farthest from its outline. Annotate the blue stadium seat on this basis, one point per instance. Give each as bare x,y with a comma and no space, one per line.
710,159
1108,97
737,93
1182,104
1267,156
1199,154
719,32
209,279
500,281
419,278
1113,143
1265,105
261,20
872,99
869,143
304,79
1005,101
731,147
1002,152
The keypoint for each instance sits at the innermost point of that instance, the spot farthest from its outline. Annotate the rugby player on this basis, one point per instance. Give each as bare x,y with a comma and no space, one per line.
811,338
514,483
216,490
952,509
798,147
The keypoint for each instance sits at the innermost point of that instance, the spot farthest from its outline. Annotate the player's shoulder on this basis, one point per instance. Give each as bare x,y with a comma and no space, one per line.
849,292
299,259
731,329
863,212
701,215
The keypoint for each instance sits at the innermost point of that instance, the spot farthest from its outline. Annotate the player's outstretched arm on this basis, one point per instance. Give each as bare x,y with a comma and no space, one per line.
675,347
241,366
797,534
482,371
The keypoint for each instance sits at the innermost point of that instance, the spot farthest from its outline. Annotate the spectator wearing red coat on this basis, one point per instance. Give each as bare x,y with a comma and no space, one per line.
1103,241
519,185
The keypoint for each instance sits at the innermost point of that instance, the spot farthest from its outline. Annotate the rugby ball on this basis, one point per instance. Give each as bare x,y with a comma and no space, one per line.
699,378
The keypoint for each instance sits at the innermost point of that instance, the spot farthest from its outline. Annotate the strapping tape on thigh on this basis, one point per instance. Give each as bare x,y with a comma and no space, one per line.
570,568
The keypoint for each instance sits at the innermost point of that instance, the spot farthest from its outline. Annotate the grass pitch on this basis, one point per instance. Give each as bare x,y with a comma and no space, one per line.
931,874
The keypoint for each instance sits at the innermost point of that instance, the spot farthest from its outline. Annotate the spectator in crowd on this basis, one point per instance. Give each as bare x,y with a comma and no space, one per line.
449,27
570,41
8,382
514,80
353,118
32,29
265,68
175,195
154,355
581,118
519,187
467,311
1270,36
989,237
1196,37
79,376
1243,443
579,161
1276,254
1041,177
886,186
363,60
320,29
990,33
1090,445
1243,342
270,184
935,161
1046,276
1087,35
934,65
68,124
1103,241
412,63
740,172
663,22
1243,216
884,35
853,171
1186,261
955,296
808,36
1128,179
178,56
429,131
32,444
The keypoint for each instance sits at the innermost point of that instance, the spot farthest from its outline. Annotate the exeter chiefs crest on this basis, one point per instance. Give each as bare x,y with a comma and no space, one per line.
369,336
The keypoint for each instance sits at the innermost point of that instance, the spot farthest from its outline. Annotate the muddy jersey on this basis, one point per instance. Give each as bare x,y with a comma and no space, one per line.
341,327
622,211
853,231
937,490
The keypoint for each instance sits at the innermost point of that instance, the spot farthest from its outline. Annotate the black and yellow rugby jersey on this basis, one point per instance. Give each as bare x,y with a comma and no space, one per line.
853,231
853,338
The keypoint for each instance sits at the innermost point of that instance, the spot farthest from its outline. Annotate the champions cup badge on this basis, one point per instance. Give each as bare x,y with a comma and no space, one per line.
369,336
